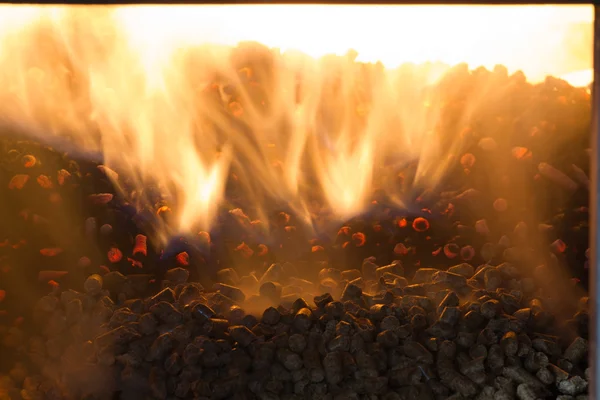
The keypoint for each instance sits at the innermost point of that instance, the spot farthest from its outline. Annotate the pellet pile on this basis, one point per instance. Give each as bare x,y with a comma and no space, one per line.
480,293
384,337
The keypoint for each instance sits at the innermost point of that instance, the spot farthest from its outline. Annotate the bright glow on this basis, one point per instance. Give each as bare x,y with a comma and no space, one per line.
128,82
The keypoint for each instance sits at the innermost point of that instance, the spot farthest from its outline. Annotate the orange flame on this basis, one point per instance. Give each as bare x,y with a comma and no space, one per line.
140,85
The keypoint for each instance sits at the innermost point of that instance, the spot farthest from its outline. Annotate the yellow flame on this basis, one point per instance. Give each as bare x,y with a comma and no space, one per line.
133,82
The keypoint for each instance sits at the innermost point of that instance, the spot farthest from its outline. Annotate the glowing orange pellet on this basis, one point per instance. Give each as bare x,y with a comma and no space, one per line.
53,284
2,295
18,181
283,218
436,252
467,160
135,263
313,242
500,205
359,239
101,198
467,253
420,224
112,175
559,246
45,276
29,161
402,223
51,251
257,225
451,250
45,182
163,210
236,109
345,245
19,244
140,246
204,236
316,249
377,228
521,153
114,255
344,231
401,249
244,250
290,229
246,72
263,250
62,176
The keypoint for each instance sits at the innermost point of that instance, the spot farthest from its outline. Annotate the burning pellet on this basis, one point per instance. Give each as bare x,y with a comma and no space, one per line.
359,239
114,255
45,182
140,247
420,224
51,252
100,198
401,249
451,250
18,181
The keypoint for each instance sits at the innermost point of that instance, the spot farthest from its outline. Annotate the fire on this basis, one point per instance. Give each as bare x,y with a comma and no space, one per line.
157,92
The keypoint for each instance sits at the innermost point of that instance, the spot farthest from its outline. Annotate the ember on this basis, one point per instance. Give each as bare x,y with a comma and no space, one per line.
424,233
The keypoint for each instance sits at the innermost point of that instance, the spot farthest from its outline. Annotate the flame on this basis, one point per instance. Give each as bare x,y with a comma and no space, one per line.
158,91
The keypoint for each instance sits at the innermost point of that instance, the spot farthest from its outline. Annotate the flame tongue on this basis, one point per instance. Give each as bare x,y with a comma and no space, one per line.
142,86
